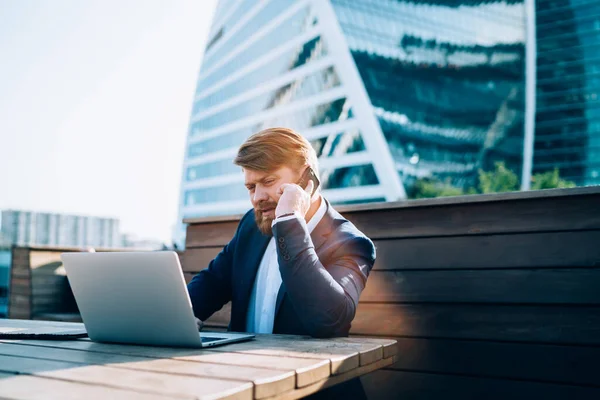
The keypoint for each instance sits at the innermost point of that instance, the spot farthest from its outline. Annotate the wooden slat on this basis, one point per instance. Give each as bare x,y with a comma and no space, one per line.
548,363
307,370
19,304
342,359
213,234
540,215
390,346
546,194
34,388
369,350
537,286
197,259
334,380
544,324
141,381
534,215
522,250
388,384
565,213
267,382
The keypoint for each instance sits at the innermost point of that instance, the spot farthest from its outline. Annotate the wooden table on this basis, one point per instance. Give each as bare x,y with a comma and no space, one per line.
269,367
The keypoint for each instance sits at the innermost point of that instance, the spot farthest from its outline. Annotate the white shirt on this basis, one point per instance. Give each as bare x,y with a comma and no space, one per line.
261,309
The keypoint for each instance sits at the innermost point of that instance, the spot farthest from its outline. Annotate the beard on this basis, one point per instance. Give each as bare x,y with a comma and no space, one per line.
263,222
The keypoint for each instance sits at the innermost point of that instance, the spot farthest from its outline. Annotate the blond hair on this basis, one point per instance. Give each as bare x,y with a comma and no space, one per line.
273,148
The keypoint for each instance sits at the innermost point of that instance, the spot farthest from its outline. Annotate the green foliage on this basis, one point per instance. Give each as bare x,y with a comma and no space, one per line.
550,180
501,179
427,188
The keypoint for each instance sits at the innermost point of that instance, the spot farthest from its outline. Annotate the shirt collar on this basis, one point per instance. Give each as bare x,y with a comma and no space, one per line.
312,223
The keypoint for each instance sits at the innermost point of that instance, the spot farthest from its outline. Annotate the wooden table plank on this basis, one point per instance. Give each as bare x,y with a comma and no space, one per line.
307,371
267,382
334,380
343,357
140,381
369,350
26,387
390,346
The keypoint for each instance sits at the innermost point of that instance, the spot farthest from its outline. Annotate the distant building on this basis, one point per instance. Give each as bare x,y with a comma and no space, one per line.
4,242
129,241
26,228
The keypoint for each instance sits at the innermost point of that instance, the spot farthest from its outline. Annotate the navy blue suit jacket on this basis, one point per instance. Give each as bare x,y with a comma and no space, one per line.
323,275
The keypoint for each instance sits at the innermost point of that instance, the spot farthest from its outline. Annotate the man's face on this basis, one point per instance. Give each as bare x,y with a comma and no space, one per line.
262,187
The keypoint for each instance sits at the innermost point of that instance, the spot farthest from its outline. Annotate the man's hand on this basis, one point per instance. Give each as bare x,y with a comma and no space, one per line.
292,198
200,324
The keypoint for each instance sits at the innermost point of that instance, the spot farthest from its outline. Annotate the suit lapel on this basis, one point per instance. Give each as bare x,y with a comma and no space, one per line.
318,236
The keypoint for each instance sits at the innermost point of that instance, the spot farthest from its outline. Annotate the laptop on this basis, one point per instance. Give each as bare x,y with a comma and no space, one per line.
137,298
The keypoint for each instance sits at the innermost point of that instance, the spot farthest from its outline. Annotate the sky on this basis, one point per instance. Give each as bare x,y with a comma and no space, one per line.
95,100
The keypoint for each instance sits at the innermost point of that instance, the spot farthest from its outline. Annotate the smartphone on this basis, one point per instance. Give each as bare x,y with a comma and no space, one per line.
309,174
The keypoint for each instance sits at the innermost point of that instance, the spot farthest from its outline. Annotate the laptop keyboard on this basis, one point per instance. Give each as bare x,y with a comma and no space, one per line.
210,339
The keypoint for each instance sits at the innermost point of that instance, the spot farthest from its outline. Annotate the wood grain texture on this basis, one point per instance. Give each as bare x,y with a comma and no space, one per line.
388,384
307,370
212,234
557,214
343,358
521,250
266,382
543,324
369,350
42,388
19,301
525,361
197,259
302,392
140,381
531,286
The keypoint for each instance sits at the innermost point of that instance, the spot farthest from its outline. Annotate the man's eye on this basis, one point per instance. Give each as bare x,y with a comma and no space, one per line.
269,182
250,188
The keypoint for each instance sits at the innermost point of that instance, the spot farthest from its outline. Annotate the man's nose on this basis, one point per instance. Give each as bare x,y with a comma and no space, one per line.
260,195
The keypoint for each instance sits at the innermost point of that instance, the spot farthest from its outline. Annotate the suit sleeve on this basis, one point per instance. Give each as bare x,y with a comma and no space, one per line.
211,288
325,297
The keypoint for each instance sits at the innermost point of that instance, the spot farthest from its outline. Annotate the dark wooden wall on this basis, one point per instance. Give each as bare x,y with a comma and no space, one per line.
494,296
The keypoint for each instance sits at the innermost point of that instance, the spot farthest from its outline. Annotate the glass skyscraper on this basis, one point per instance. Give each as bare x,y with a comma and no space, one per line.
567,132
391,92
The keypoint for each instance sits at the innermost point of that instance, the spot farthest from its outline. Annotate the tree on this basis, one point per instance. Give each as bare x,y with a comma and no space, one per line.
550,180
501,179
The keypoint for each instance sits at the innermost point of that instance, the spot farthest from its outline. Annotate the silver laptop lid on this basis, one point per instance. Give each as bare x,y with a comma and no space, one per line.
133,297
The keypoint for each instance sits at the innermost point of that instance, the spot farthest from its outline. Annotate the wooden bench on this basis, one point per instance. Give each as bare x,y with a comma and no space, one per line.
491,296
38,287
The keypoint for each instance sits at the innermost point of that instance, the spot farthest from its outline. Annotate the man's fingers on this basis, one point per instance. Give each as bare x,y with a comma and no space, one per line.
282,188
199,323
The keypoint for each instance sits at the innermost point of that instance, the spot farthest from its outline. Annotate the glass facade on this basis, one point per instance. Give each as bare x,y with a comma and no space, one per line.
298,89
257,48
446,81
568,90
